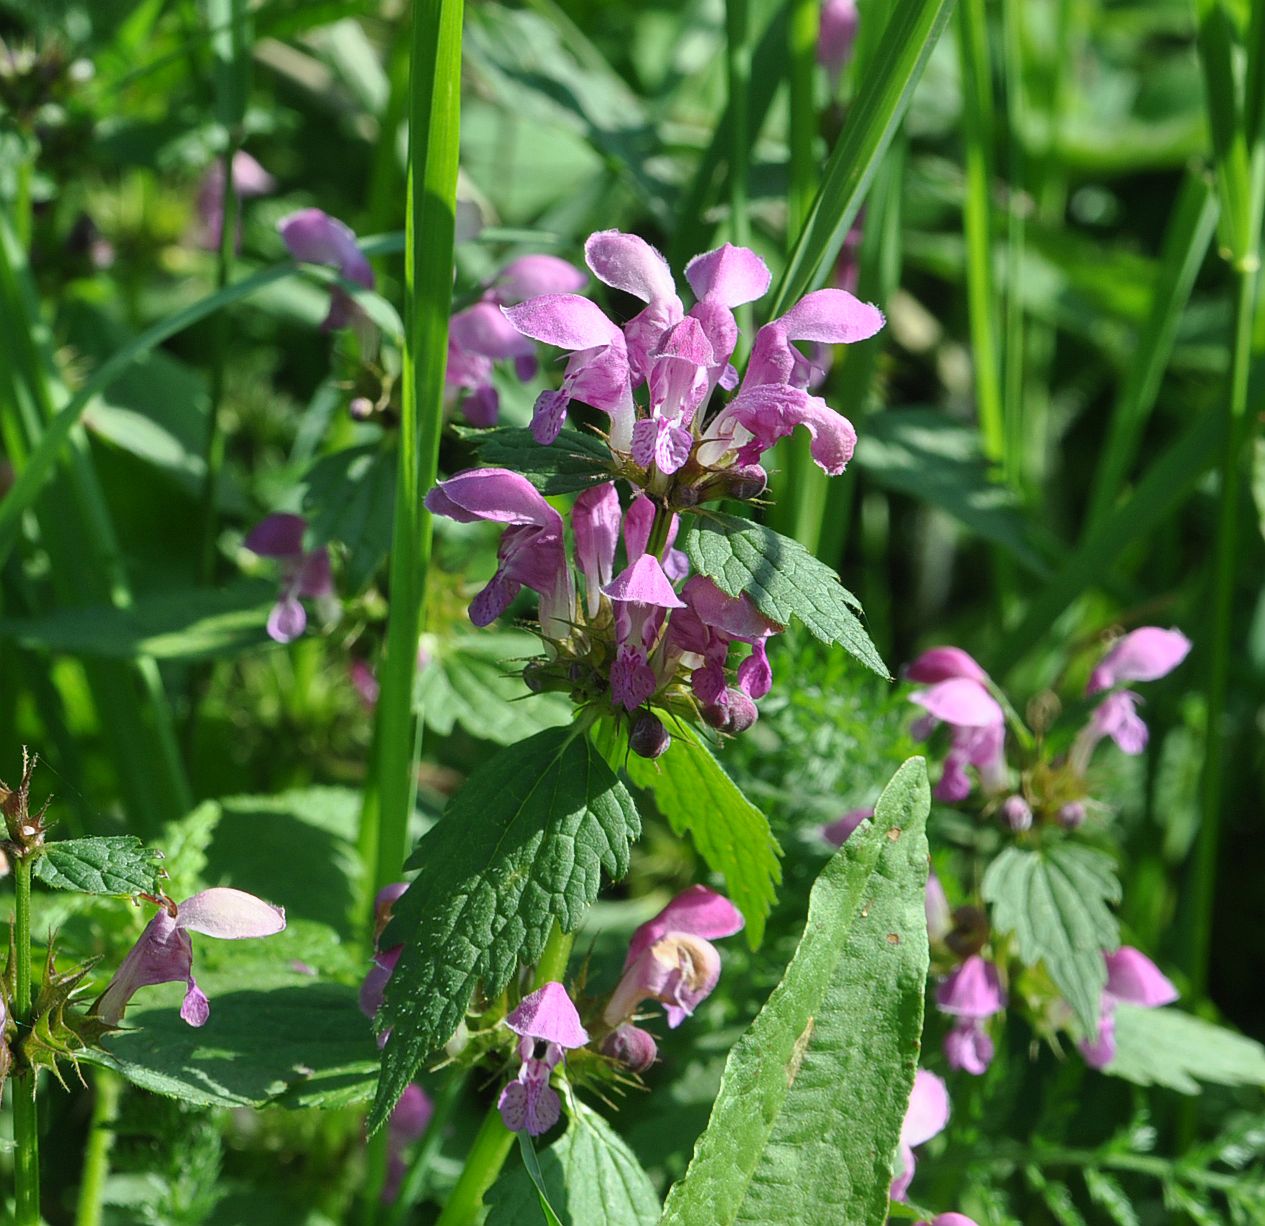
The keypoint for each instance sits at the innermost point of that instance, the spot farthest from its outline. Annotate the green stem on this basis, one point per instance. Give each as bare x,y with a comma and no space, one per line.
26,1140
738,70
805,20
417,1179
487,1155
96,1159
552,965
434,112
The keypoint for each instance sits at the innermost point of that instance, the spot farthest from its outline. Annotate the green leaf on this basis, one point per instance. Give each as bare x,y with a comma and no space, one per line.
1166,1047
1057,903
188,624
349,496
926,455
278,1038
807,1119
783,579
1105,1191
589,1176
693,792
573,462
521,845
472,680
119,864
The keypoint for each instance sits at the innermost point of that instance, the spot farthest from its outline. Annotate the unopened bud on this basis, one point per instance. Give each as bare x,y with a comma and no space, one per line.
632,1046
361,408
649,738
747,482
1071,815
1017,814
735,715
970,931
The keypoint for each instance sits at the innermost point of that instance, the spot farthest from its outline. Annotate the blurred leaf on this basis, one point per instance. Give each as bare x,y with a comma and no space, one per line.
274,1039
806,1123
1105,1191
191,624
783,580
924,454
573,462
693,792
1166,1047
523,844
475,680
120,864
589,1175
349,496
1056,901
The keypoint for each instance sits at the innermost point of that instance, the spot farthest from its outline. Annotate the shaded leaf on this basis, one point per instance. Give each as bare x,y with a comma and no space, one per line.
349,496
573,462
119,864
806,1123
1166,1047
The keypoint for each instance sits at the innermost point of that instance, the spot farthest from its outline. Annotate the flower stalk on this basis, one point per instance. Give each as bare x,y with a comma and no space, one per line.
26,1157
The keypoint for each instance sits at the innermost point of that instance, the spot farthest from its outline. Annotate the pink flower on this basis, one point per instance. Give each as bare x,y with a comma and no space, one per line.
842,828
979,734
671,958
949,1219
1146,654
529,1103
595,526
408,1123
1133,978
925,1117
531,553
164,953
970,994
943,664
304,572
936,904
249,179
838,32
315,237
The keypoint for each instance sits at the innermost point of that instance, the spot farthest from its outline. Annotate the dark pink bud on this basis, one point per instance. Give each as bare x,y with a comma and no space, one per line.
649,738
1071,815
632,1046
1017,814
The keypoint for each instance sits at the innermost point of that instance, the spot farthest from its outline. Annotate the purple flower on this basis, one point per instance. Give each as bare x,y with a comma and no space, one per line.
671,958
841,829
303,572
723,279
979,734
531,275
249,179
1016,812
949,1219
639,594
837,33
531,553
943,664
925,1117
164,953
595,526
529,1103
315,237
409,1120
1133,978
1146,654
970,994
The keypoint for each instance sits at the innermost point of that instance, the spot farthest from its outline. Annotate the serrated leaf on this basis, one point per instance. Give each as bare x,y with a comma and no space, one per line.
474,680
119,864
589,1175
783,579
523,844
349,496
807,1119
1057,901
1166,1047
692,790
573,462
190,624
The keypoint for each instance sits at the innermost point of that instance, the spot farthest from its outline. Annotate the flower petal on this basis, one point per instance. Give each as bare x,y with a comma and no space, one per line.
277,536
1135,979
963,703
1146,654
532,275
832,316
644,583
549,1015
928,1110
493,494
565,320
628,262
942,664
696,910
317,238
732,275
484,329
230,914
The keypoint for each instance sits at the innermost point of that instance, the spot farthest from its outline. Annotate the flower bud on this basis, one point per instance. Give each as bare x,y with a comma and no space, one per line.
1017,814
649,738
1071,815
360,408
747,482
632,1046
970,931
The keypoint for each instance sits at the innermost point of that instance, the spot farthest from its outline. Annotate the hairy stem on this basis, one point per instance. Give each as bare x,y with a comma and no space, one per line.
26,1141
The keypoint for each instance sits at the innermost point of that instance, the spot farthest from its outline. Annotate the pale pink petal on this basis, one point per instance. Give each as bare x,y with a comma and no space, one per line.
1135,979
230,914
832,316
964,703
629,263
732,275
1146,654
532,275
644,583
928,1110
484,329
549,1015
967,1048
595,525
943,664
565,320
287,620
972,990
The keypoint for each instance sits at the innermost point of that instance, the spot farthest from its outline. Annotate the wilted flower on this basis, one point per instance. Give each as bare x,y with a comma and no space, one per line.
925,1117
249,179
671,958
315,237
1134,979
529,1103
303,572
164,953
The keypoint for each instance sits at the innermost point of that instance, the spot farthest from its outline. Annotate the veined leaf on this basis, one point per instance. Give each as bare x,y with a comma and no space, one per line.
588,1174
573,462
119,864
783,579
1166,1047
698,798
523,844
349,497
1057,903
806,1123
471,680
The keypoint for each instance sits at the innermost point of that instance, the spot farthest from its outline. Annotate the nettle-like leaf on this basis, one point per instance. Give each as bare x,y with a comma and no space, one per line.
1057,901
589,1175
805,1126
349,496
1166,1047
475,680
523,844
119,864
692,790
573,462
783,579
